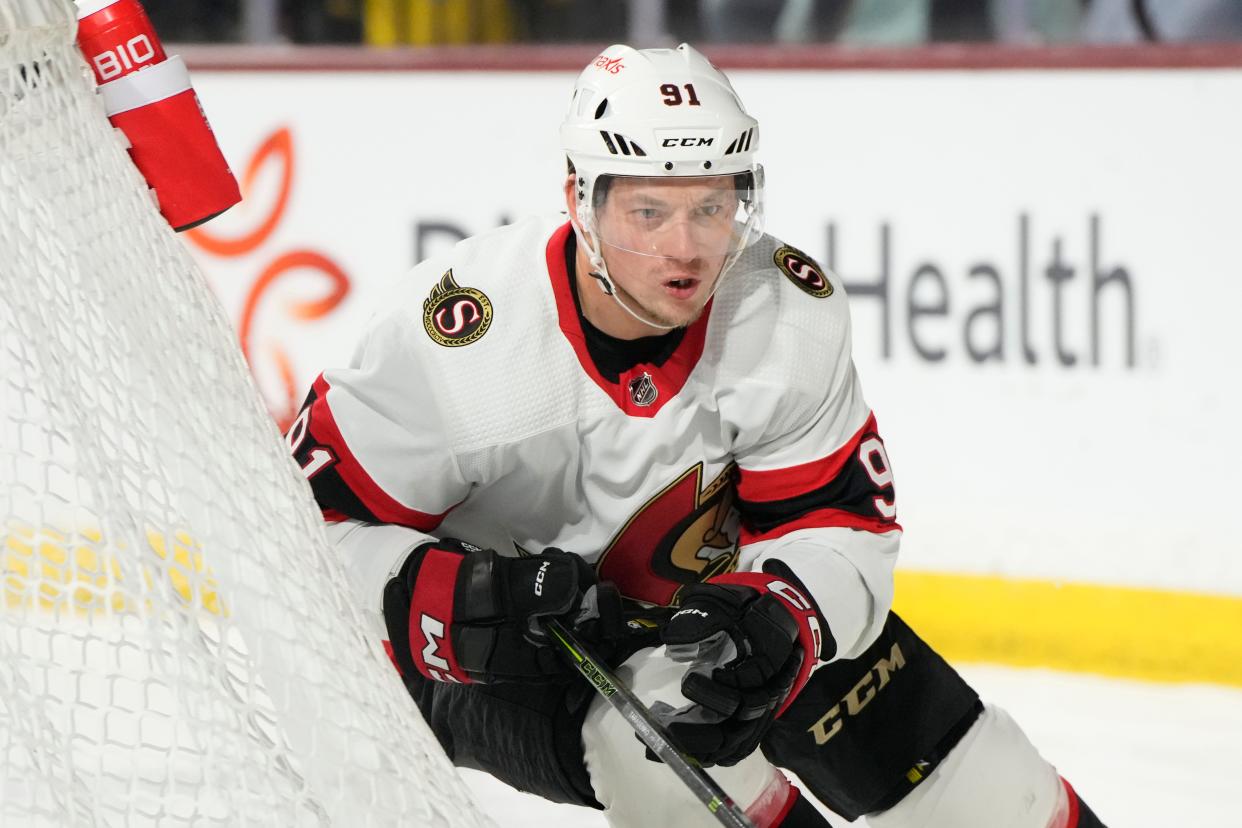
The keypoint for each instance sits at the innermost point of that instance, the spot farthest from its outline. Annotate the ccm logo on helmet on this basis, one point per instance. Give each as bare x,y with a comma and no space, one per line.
687,142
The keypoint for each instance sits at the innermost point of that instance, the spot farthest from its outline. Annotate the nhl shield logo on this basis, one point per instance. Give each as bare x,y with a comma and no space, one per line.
802,271
455,315
643,390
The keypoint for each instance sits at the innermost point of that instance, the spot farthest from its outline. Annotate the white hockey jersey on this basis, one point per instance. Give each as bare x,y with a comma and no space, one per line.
471,409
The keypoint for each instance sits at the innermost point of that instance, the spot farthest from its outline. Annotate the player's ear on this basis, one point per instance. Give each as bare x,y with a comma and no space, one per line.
571,202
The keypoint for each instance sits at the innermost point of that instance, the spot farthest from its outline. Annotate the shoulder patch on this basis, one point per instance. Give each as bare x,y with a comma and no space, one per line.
802,271
455,315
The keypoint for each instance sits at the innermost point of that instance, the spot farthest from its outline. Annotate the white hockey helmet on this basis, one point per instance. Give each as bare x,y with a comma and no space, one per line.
656,114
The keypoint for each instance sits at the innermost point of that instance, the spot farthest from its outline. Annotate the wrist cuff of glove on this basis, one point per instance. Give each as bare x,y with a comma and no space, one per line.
793,598
432,601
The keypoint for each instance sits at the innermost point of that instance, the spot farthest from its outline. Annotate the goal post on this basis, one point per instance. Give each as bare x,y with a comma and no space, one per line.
177,642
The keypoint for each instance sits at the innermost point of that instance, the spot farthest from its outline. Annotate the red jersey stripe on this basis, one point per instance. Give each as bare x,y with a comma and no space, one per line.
781,484
324,430
1072,819
819,519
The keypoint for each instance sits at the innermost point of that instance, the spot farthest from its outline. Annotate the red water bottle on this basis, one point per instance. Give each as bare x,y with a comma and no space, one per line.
117,38
148,96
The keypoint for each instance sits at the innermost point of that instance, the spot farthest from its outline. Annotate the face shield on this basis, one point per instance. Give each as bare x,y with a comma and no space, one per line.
683,218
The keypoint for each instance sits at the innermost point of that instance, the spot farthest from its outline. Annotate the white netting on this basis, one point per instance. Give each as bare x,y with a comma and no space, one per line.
176,642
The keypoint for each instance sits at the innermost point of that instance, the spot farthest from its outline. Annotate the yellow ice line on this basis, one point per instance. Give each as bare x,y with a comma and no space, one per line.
47,569
1153,634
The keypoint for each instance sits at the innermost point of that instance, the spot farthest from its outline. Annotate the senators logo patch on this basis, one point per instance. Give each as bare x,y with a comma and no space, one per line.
802,271
455,315
685,534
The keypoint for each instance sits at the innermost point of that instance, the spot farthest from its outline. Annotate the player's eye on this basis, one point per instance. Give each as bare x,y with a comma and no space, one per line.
647,213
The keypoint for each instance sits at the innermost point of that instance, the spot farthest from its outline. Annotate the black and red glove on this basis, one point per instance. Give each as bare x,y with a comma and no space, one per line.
459,613
752,639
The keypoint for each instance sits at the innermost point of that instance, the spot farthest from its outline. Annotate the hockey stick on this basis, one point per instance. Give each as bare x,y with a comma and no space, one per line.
649,729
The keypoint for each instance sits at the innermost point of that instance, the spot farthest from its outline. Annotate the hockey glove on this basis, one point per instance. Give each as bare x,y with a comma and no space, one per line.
751,640
459,613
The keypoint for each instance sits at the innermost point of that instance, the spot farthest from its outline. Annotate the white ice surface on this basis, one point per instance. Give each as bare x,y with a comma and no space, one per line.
1142,755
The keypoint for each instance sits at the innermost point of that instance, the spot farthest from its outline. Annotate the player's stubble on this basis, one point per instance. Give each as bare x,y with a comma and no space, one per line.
638,281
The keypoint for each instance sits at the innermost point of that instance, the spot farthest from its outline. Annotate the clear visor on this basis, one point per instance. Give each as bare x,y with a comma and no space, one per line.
683,218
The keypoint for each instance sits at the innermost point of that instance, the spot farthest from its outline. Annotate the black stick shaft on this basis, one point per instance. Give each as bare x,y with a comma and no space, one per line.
649,729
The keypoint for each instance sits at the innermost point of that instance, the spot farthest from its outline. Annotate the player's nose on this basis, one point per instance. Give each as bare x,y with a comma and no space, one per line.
681,242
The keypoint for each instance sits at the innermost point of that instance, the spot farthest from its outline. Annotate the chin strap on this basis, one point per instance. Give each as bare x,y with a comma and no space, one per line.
604,284
599,272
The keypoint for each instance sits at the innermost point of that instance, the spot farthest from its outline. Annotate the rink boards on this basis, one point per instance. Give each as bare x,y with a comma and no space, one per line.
1040,271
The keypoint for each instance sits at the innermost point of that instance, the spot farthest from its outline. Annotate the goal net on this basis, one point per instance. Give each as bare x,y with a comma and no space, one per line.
176,640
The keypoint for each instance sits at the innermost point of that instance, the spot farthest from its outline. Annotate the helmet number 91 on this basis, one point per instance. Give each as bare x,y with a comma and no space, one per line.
672,94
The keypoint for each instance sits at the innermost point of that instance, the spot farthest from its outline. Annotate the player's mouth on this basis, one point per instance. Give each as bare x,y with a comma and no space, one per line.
682,288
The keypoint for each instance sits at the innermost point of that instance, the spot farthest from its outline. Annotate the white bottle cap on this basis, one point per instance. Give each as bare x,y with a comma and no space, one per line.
88,7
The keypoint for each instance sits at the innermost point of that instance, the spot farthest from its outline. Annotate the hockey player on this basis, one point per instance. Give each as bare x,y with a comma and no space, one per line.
665,392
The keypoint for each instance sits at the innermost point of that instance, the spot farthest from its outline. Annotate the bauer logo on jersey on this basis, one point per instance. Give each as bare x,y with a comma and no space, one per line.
802,271
455,315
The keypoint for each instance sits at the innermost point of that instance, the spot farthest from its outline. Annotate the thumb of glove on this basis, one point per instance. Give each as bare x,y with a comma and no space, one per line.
701,629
